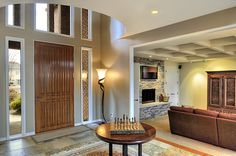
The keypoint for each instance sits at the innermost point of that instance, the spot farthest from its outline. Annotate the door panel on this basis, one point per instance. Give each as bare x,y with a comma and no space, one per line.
215,91
229,89
54,86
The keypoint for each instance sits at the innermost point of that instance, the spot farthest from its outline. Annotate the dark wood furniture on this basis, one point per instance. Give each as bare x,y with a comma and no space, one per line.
222,91
103,133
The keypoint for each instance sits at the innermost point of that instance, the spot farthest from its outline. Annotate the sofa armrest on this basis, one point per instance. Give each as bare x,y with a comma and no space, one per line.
227,133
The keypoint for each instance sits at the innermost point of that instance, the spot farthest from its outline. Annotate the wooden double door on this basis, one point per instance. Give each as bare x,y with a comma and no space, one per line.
54,86
222,91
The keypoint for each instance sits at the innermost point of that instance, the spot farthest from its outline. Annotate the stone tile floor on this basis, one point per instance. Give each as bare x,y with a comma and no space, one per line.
27,146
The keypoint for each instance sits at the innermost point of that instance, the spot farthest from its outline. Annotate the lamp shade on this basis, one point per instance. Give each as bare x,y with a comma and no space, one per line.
101,73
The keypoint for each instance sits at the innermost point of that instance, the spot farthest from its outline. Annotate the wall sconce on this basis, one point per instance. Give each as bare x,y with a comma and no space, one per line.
101,80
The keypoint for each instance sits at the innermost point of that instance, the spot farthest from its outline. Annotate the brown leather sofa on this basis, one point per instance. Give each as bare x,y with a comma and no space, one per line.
208,126
227,130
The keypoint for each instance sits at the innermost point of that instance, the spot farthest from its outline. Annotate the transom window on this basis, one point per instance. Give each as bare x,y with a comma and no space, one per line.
14,15
54,18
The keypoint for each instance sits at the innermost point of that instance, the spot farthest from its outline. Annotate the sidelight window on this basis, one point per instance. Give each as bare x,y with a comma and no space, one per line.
15,87
86,85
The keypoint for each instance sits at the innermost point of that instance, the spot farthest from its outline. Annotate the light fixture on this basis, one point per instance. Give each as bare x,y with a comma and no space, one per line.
150,56
101,75
154,12
101,80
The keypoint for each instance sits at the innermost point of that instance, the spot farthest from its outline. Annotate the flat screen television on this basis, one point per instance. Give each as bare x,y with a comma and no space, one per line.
149,72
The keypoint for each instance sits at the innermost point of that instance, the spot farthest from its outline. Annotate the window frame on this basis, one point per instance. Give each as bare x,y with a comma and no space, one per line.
72,20
22,15
90,83
23,88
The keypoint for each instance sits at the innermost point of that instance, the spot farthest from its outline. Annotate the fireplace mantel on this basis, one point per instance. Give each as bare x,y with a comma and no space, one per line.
151,104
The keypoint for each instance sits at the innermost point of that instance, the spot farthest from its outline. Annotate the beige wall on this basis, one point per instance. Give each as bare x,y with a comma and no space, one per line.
115,52
30,35
193,80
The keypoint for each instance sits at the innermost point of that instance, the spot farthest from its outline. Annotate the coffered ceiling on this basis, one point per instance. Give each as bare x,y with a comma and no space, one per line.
136,14
221,44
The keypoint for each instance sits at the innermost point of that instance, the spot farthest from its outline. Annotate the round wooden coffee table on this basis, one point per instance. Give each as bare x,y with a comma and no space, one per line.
103,133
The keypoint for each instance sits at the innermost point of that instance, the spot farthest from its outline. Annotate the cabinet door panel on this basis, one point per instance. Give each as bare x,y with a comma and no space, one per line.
229,91
215,92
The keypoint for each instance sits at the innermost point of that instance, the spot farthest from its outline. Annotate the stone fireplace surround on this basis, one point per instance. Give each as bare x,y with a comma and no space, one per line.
153,109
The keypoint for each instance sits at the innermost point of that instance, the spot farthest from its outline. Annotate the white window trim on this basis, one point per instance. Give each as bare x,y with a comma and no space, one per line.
72,21
22,20
23,103
90,91
90,25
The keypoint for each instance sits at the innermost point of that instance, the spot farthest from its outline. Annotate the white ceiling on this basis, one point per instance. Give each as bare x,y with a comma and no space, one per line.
189,48
136,14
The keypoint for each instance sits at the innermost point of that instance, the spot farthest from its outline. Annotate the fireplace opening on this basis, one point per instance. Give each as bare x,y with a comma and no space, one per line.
148,95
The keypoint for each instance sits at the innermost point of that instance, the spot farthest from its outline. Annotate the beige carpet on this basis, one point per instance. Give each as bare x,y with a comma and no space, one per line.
59,133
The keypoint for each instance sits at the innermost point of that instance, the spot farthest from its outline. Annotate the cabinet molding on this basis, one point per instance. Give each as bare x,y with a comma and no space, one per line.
222,91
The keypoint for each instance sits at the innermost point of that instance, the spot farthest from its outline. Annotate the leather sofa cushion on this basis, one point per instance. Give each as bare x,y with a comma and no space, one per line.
227,116
181,109
206,112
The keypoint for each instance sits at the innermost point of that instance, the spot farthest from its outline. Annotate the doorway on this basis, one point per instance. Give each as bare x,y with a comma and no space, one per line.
54,86
15,99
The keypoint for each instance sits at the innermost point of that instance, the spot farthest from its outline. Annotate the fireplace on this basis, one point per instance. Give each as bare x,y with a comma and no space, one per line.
148,95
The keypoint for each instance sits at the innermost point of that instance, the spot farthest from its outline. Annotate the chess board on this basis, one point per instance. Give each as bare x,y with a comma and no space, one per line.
126,128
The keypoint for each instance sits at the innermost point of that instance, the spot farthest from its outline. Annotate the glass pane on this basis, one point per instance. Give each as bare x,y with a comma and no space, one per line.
215,91
85,84
42,16
230,92
85,24
14,65
10,15
65,20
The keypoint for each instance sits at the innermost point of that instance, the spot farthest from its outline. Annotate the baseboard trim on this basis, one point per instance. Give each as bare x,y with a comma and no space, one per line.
3,139
98,120
77,124
29,134
88,122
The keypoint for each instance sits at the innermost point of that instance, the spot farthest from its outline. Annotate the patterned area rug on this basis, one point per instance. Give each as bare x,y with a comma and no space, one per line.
90,145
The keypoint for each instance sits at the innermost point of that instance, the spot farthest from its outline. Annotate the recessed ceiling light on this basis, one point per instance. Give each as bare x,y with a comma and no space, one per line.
150,56
154,12
167,58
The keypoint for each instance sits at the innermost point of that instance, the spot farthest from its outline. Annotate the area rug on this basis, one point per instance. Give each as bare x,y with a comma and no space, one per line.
92,146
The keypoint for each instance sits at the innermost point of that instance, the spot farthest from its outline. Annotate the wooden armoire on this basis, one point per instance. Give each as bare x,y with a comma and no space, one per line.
222,91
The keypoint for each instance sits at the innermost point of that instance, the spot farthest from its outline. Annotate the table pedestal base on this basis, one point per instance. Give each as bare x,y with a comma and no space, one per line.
125,150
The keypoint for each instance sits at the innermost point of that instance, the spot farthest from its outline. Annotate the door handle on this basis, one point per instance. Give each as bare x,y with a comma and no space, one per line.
135,99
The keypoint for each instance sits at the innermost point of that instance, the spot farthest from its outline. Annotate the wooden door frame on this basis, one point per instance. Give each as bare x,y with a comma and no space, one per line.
34,86
23,102
90,91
